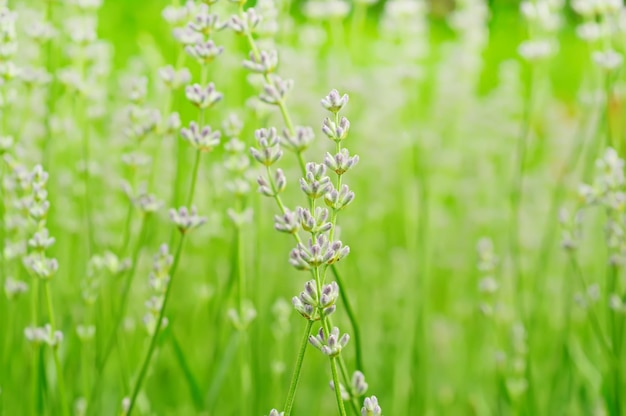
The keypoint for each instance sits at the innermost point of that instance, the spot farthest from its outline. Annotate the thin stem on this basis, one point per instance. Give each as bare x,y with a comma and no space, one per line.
36,348
159,323
293,386
50,102
516,193
55,351
244,364
346,377
595,323
608,89
194,177
121,309
127,227
356,330
615,341
333,368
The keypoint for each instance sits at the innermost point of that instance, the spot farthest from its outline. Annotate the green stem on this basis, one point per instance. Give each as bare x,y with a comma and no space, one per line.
516,194
121,309
595,323
37,394
333,368
356,330
159,323
50,102
615,341
55,351
244,364
194,389
608,87
293,386
347,380
194,178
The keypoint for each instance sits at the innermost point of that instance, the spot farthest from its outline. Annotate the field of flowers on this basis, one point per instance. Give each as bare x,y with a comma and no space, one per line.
312,207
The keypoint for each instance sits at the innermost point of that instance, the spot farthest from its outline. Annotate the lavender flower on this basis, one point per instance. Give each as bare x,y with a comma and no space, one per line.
317,252
338,200
330,345
314,223
268,151
299,141
315,183
275,91
274,188
173,78
310,305
264,63
289,222
334,102
44,334
204,52
371,407
203,139
246,22
186,219
41,241
205,22
203,97
336,131
13,288
341,162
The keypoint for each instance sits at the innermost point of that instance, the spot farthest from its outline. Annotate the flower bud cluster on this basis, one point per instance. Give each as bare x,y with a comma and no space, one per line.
141,120
608,191
487,267
14,288
246,22
237,164
570,228
242,320
358,387
194,25
38,264
97,266
263,63
275,90
158,280
146,202
515,369
544,19
43,335
371,407
8,44
268,151
202,139
329,344
317,252
299,140
186,219
312,306
601,27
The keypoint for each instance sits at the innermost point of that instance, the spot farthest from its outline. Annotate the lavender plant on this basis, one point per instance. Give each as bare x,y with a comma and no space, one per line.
473,119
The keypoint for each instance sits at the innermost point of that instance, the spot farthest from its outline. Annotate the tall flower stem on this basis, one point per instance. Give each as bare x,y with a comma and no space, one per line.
55,352
354,323
194,178
244,347
293,386
333,368
157,329
356,330
119,316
